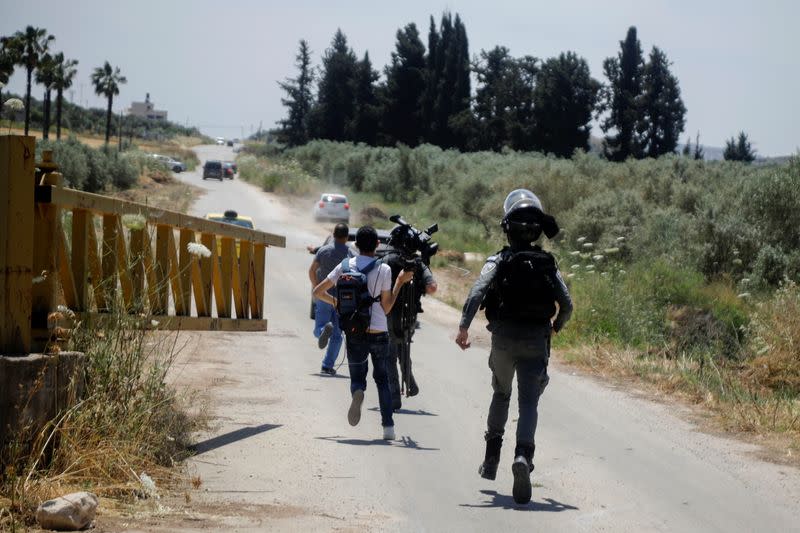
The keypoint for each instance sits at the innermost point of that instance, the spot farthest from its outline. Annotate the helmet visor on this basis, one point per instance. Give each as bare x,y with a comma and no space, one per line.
520,198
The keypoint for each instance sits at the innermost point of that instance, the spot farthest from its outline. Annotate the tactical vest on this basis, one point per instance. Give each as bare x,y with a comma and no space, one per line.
522,290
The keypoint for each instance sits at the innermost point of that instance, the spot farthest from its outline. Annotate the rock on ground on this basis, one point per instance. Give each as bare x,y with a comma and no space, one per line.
67,513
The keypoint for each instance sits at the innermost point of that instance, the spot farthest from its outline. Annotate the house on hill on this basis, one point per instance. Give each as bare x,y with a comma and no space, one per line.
147,110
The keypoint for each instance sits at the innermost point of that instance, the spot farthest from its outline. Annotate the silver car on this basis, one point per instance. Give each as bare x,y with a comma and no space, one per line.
332,207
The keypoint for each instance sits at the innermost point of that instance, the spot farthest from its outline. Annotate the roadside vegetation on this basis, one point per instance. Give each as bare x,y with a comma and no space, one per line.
119,440
683,271
106,170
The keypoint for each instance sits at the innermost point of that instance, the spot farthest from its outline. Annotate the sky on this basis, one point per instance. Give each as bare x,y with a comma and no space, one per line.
216,65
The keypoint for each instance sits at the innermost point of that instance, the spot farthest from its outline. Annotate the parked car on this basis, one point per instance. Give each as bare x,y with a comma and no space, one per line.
332,207
213,170
173,164
228,170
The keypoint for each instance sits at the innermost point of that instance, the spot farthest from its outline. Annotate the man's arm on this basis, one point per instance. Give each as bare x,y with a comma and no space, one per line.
563,299
428,280
474,300
312,272
321,292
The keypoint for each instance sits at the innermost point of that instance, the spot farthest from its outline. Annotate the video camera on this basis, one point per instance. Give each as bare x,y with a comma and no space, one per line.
414,245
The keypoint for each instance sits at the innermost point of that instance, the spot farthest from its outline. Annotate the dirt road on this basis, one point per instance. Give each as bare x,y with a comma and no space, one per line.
281,456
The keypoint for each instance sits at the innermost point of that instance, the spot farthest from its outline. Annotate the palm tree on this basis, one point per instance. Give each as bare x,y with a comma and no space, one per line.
106,82
6,67
29,47
65,73
46,75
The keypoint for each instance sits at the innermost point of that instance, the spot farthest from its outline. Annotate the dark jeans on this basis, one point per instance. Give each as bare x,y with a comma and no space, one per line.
358,351
527,357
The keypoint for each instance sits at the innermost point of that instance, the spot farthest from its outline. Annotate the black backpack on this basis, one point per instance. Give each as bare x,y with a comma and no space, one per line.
353,300
522,291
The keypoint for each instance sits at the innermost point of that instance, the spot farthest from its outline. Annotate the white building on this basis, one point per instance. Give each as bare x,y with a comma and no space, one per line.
145,110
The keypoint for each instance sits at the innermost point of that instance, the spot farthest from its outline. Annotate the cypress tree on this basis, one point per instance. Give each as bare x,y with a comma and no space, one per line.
364,127
623,100
404,91
336,91
698,149
663,109
431,80
739,149
299,98
460,112
444,75
563,100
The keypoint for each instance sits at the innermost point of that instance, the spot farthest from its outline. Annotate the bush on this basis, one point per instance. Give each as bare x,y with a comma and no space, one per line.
90,169
775,333
286,176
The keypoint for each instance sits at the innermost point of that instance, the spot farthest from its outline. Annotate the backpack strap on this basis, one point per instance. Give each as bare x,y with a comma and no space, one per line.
346,265
367,269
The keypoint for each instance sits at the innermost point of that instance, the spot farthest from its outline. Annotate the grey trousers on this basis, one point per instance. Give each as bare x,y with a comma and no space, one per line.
527,356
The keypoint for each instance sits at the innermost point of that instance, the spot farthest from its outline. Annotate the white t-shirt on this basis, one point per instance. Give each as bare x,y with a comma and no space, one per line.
378,280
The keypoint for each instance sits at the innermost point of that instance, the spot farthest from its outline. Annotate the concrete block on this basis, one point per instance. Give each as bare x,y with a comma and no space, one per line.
35,388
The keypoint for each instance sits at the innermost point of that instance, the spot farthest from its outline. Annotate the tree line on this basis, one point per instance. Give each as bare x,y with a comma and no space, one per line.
522,103
31,50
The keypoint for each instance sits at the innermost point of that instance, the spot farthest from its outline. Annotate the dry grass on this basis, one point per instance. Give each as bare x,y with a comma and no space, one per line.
724,389
128,422
160,189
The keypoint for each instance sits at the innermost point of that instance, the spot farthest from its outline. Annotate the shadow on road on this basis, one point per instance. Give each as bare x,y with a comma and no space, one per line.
408,412
230,437
504,501
402,442
321,375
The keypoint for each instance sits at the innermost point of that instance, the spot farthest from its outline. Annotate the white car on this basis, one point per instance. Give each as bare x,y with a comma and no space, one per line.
220,140
332,207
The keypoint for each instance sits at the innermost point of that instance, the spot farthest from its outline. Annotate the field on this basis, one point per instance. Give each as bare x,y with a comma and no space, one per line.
683,272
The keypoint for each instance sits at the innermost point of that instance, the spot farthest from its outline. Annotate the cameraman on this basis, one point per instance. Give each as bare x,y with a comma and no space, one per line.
398,255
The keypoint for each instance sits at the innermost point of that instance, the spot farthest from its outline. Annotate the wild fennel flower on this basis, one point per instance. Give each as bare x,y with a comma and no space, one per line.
197,249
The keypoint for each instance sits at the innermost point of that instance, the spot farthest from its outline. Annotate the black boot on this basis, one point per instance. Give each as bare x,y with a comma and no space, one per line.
522,468
488,470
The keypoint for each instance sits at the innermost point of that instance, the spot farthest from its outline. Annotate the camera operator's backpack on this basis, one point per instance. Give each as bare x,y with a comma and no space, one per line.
353,300
522,291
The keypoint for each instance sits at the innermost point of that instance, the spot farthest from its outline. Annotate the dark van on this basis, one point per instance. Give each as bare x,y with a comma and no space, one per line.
213,169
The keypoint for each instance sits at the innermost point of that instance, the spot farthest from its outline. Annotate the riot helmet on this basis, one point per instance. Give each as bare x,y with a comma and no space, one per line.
521,198
524,219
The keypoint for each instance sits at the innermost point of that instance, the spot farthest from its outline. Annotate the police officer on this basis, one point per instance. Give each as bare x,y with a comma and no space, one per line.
519,289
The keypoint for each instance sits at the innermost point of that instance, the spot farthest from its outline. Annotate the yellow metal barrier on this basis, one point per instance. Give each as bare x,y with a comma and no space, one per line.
148,260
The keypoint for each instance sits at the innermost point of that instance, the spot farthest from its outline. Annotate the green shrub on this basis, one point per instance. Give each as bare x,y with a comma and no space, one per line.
90,169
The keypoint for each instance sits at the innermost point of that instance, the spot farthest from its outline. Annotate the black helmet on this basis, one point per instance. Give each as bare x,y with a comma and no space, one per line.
524,218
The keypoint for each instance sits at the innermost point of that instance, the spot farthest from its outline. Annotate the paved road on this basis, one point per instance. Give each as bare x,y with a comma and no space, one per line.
281,455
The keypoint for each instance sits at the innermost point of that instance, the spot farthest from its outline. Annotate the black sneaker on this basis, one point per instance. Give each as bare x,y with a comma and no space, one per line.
325,335
328,370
